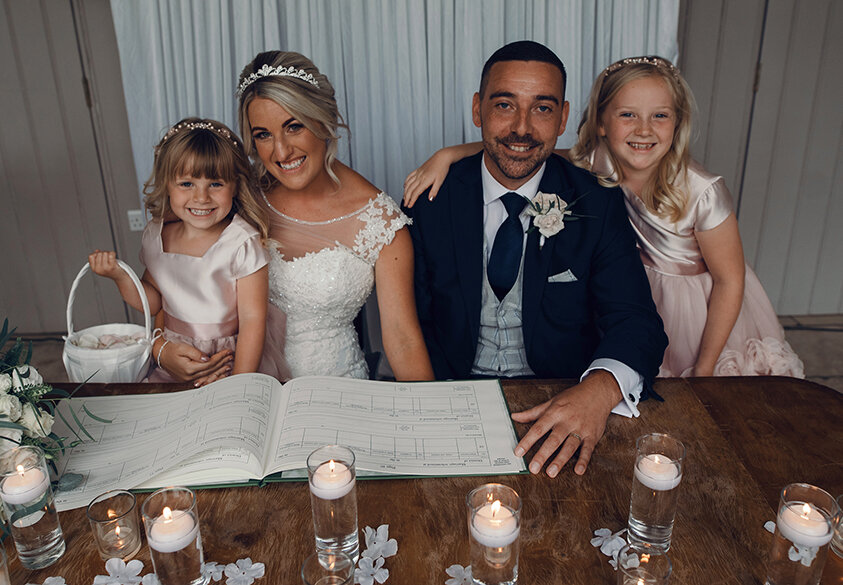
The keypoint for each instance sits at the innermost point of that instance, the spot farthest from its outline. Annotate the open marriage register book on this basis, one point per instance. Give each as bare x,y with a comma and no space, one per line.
244,428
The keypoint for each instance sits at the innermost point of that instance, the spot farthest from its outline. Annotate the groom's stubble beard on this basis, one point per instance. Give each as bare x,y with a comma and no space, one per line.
512,166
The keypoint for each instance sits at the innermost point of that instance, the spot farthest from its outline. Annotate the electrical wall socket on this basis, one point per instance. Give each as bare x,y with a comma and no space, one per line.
137,220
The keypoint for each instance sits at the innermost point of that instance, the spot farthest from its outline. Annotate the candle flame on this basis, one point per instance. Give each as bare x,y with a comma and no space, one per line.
806,511
111,514
645,558
496,506
331,465
117,531
167,514
20,469
640,581
656,459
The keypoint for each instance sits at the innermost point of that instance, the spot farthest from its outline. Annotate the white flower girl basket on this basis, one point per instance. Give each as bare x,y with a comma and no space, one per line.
116,364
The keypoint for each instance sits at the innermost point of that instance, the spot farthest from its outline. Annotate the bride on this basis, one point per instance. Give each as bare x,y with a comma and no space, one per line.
333,235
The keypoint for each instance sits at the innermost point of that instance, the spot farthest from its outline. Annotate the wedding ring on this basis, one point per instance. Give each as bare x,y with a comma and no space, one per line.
579,438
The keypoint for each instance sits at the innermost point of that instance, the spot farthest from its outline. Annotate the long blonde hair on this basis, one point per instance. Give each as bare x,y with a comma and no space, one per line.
311,102
661,195
204,148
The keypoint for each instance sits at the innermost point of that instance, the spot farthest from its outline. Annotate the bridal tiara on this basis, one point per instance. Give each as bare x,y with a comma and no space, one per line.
267,71
648,60
196,126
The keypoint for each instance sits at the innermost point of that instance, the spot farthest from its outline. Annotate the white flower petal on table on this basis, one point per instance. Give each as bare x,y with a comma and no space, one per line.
243,572
459,575
378,543
212,570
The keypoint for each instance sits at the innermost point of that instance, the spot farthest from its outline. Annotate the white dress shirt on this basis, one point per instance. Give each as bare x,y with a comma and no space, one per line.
494,214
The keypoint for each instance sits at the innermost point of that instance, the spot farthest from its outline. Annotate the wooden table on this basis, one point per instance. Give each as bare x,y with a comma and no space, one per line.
745,437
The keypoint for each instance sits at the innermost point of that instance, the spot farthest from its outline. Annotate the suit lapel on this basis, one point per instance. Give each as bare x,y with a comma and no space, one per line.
537,259
467,230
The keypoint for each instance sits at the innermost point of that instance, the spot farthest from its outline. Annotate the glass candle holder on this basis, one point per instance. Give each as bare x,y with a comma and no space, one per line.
643,564
114,522
833,572
171,520
804,528
659,461
29,506
326,567
4,568
333,499
494,528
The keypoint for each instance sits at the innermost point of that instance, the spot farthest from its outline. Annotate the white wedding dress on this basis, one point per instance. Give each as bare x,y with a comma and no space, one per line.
320,274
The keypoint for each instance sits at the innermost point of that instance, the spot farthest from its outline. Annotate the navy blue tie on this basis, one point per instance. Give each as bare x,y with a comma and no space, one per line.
505,259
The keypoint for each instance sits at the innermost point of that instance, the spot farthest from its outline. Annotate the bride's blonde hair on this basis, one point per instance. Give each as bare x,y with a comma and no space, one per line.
292,81
661,194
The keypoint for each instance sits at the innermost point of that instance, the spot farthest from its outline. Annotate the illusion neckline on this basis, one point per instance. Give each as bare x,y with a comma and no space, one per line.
327,221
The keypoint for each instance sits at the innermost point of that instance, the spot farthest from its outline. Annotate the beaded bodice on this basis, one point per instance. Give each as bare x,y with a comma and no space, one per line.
320,274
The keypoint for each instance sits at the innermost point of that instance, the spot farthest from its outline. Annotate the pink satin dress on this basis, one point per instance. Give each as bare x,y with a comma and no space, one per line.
681,284
199,293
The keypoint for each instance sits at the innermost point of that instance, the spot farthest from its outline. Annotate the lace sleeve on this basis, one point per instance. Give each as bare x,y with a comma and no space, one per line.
381,219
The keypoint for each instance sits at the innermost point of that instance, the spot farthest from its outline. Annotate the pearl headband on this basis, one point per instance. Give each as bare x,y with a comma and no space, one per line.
648,60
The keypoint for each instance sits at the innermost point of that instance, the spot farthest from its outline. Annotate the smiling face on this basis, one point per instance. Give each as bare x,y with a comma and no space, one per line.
521,114
289,151
200,203
638,125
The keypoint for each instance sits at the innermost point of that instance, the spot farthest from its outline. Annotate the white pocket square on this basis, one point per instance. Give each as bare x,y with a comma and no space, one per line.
566,276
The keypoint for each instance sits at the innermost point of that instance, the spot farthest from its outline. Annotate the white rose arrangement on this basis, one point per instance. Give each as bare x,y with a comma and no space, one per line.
27,403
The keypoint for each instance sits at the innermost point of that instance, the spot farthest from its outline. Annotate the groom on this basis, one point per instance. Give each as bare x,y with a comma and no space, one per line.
494,301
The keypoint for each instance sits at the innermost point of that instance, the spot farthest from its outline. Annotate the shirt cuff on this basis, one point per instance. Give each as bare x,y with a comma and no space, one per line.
630,382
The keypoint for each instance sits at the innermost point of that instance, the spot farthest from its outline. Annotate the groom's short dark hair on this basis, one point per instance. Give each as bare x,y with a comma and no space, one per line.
523,51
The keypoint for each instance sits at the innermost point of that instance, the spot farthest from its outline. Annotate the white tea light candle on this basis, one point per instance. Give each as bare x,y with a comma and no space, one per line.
172,531
331,480
804,525
24,486
658,472
494,525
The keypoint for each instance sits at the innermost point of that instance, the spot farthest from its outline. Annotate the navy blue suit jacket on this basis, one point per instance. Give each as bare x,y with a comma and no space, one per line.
607,312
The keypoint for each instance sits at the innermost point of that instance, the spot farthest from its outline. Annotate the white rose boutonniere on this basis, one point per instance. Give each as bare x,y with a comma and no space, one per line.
5,383
550,212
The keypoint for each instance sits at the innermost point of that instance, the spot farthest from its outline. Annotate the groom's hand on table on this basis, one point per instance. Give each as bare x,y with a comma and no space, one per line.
574,418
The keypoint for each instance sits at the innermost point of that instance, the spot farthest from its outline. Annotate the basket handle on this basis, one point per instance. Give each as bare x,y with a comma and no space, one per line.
147,318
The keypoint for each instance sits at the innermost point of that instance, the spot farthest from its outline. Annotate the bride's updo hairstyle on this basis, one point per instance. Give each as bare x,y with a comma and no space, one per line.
293,82
661,196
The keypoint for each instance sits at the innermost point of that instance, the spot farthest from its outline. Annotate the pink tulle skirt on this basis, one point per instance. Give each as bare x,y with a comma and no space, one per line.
756,346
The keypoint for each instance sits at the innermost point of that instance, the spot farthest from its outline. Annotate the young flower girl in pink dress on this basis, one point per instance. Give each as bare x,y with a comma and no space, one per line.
634,134
206,270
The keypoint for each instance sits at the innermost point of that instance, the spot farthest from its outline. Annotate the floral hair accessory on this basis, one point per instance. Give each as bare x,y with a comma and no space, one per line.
647,60
267,71
195,126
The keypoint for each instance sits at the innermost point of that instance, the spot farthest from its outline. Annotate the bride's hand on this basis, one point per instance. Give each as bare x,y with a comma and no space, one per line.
187,364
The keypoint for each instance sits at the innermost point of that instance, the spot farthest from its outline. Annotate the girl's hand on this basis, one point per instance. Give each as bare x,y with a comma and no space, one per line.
105,264
434,170
431,174
187,364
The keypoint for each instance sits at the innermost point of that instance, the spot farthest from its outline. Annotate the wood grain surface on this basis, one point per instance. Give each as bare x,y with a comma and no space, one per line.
745,438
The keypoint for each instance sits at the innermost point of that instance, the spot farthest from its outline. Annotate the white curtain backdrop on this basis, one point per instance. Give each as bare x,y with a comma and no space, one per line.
404,70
